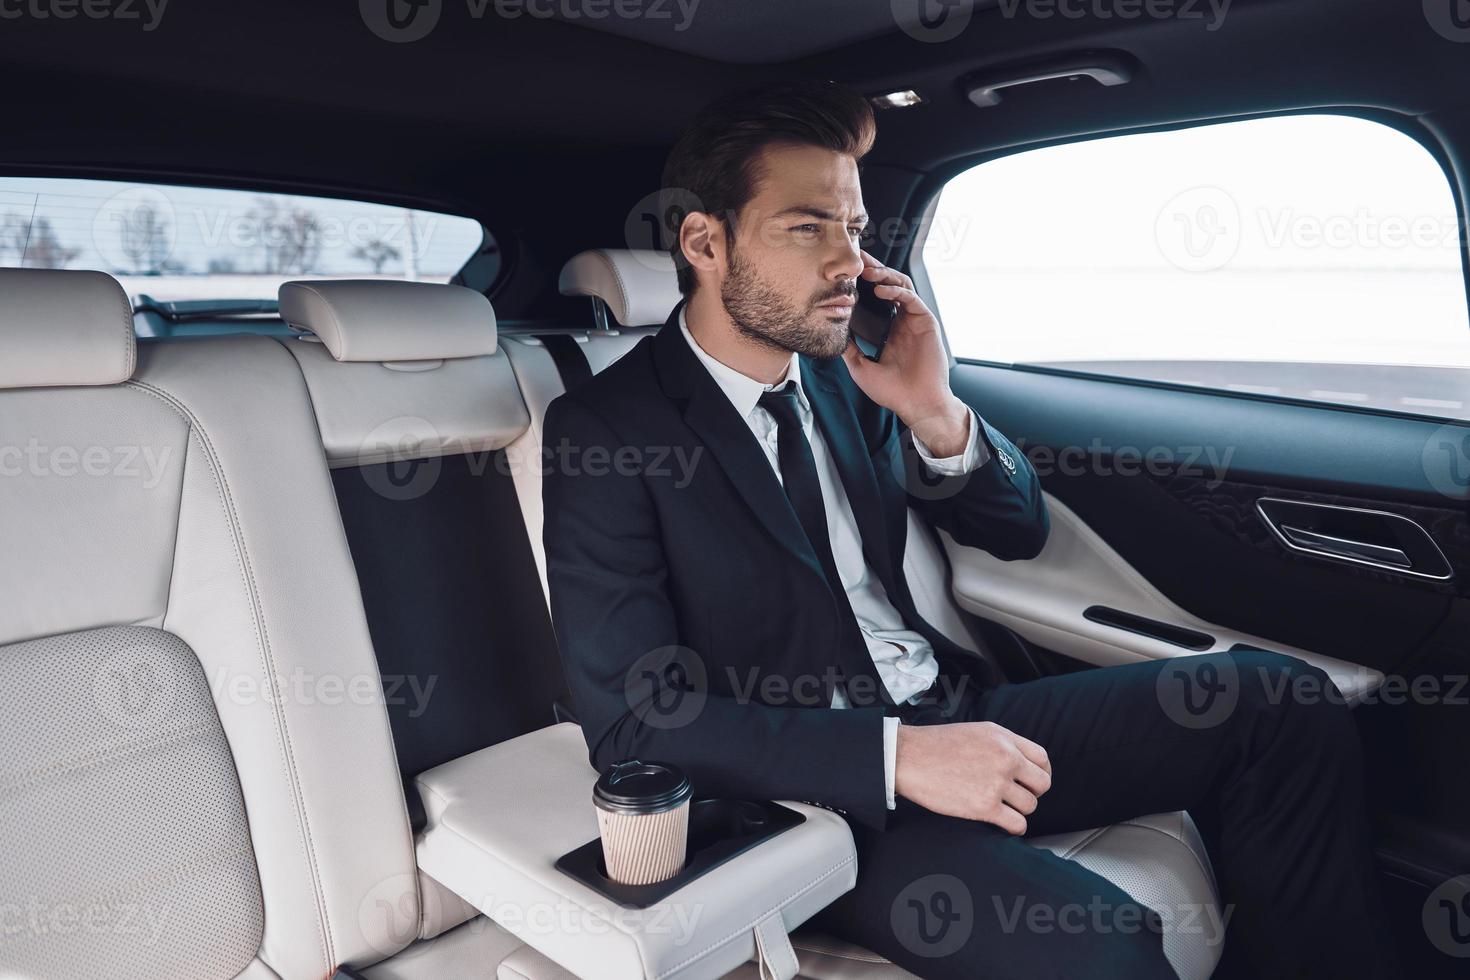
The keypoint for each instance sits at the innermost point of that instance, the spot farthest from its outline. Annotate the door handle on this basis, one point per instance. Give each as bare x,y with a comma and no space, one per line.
1336,532
1347,548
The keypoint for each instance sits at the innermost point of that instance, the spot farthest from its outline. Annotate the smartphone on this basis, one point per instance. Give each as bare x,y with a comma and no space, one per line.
872,318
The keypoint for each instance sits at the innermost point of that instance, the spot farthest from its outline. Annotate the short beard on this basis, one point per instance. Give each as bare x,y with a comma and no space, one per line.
765,318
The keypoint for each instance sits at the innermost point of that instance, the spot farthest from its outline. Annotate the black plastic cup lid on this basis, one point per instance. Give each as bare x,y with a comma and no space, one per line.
641,787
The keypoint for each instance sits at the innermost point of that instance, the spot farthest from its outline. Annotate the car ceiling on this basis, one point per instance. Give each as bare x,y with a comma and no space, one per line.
763,32
558,125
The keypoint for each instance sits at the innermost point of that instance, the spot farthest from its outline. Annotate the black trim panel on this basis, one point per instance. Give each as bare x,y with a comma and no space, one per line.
1178,636
454,604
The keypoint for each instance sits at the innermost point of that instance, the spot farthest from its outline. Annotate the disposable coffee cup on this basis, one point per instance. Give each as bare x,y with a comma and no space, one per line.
643,818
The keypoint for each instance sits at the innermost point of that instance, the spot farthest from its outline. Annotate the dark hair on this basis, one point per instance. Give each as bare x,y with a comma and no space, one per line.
714,166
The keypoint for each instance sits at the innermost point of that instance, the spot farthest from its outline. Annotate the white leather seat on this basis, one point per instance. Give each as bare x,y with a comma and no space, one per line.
633,285
1160,860
405,373
401,370
197,777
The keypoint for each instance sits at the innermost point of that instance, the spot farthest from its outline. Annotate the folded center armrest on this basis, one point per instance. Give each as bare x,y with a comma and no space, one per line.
499,819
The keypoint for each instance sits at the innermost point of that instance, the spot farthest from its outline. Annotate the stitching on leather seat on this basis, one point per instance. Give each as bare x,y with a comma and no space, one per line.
1081,845
130,343
262,636
622,288
39,774
1208,874
331,313
764,955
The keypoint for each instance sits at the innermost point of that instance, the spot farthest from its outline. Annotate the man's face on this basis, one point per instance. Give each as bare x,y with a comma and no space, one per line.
791,278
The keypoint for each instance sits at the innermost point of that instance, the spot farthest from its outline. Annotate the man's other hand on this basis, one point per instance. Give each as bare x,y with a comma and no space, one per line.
974,770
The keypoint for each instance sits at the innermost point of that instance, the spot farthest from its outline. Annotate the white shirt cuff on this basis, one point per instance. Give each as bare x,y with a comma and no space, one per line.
890,758
975,455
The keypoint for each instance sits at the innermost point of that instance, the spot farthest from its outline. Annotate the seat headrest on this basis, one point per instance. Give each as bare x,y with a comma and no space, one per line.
639,286
391,320
64,327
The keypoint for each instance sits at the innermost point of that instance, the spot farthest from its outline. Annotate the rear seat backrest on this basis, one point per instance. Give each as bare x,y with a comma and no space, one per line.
190,782
416,405
639,290
402,370
638,287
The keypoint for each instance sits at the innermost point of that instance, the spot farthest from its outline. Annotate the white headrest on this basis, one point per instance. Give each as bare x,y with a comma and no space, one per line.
64,327
391,320
639,286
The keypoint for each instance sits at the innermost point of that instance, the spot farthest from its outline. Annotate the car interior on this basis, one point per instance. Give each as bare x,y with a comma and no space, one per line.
283,697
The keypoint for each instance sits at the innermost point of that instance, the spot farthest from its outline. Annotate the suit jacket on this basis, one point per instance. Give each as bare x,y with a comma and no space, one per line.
694,620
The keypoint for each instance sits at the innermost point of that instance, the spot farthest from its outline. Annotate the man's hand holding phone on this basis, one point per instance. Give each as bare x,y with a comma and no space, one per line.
911,375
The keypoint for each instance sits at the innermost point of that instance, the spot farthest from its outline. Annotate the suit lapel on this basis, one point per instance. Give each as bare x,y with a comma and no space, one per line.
849,452
727,437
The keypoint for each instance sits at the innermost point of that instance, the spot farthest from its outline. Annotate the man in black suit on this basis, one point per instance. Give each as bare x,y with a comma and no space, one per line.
725,528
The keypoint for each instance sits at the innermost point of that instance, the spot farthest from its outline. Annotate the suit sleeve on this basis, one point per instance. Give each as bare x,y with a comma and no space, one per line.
639,692
998,506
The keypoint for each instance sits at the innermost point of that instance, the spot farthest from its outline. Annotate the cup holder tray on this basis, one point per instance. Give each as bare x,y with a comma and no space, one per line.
718,831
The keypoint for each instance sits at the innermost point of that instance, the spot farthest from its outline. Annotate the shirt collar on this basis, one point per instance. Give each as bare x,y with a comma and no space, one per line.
743,391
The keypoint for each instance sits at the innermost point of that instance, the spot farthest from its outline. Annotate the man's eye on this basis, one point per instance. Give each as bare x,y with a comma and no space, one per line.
857,232
807,229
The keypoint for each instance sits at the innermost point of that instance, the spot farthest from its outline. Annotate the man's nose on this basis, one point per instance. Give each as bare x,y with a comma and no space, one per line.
846,261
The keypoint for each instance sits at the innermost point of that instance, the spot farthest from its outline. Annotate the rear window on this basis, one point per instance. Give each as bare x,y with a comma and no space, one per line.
171,244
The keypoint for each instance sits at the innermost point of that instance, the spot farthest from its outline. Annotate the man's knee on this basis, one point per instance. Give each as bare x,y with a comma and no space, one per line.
1292,695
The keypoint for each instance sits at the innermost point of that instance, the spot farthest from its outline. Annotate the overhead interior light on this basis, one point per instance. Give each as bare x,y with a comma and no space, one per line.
902,99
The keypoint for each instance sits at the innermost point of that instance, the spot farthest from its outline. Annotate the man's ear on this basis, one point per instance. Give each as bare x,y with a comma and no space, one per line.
702,240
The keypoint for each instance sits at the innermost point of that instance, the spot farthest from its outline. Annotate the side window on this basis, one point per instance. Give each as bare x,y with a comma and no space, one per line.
1314,257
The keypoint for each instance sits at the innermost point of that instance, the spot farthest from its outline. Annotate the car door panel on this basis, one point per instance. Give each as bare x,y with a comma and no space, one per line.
1046,600
1189,548
1185,519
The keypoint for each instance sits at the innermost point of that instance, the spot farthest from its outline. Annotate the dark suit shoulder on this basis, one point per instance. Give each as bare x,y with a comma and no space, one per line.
627,384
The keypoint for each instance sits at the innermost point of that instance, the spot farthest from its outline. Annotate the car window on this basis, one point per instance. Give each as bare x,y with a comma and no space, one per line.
170,243
1309,256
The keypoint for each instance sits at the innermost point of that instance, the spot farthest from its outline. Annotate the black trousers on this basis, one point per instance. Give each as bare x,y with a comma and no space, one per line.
1258,748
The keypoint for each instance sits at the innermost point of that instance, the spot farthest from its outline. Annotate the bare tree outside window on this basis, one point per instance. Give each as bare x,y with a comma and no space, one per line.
302,241
14,231
143,237
376,253
45,251
291,237
32,244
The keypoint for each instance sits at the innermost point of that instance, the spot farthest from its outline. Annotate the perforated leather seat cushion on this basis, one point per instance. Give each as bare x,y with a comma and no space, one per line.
151,884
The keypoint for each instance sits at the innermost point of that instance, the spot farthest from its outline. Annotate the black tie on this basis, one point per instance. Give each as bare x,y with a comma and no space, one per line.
804,490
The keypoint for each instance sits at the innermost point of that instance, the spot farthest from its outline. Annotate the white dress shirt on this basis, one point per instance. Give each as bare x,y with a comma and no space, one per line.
903,659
